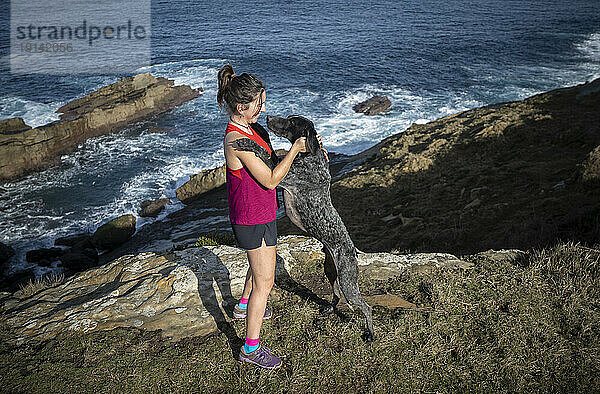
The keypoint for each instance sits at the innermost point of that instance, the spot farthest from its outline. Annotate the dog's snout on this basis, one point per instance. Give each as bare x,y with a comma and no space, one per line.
268,118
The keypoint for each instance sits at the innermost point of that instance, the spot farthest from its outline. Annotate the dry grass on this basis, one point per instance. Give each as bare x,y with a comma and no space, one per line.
43,282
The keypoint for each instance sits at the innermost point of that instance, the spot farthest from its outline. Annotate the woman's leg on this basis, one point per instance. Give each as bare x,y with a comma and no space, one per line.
262,264
248,284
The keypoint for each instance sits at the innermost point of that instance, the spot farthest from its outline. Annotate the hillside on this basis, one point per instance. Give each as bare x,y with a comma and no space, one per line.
510,175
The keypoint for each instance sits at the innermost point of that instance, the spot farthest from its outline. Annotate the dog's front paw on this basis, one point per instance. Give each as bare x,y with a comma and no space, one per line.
248,145
368,336
326,310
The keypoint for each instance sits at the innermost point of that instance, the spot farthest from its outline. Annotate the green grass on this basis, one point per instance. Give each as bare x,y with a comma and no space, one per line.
215,237
527,325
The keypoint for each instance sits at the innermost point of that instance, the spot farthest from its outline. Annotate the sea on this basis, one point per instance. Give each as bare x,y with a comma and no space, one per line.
317,59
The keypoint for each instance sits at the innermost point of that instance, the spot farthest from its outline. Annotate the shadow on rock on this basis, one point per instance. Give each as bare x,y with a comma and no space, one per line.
218,273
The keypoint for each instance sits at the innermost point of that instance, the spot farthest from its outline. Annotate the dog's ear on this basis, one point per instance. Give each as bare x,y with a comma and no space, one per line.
312,143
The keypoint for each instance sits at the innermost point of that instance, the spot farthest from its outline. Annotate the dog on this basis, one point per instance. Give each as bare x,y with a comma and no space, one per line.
308,205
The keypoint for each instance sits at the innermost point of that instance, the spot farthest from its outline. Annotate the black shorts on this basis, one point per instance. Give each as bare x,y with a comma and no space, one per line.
250,236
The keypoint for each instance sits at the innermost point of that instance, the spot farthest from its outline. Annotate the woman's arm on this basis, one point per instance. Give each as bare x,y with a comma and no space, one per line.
263,174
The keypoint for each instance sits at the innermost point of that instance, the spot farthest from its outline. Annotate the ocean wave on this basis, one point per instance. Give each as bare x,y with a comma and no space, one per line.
345,131
112,174
195,72
33,113
590,46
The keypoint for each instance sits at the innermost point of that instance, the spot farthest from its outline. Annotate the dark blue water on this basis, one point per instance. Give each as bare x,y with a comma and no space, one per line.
316,58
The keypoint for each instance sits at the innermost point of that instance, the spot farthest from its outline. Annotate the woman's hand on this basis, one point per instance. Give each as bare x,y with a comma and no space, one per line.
321,145
300,145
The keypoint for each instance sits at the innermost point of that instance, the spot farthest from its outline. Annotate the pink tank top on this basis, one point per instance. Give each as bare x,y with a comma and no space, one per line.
249,201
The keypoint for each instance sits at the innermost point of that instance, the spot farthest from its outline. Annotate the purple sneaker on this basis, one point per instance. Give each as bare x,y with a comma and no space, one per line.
261,357
239,313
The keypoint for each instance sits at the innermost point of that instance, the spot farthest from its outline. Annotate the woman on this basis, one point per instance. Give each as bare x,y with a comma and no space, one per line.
252,203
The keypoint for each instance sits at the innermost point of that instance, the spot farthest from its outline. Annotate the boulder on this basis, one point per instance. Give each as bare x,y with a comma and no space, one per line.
81,255
151,208
73,239
373,106
43,256
110,108
75,260
201,183
115,232
184,293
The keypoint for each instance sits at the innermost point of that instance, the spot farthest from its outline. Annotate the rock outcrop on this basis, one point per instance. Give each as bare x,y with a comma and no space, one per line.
23,149
201,183
13,126
43,256
182,292
373,106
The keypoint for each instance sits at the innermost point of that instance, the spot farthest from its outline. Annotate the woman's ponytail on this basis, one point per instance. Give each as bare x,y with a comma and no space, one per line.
225,77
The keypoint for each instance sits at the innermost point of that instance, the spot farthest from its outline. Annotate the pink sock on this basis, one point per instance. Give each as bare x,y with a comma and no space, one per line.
251,344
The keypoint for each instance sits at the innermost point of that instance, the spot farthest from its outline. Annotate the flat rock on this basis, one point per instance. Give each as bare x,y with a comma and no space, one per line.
383,265
389,301
183,293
